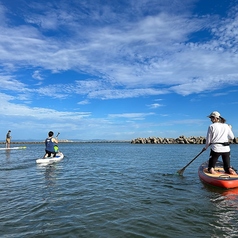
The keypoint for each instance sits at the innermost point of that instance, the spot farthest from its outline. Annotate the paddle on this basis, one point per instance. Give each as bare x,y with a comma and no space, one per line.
57,139
180,172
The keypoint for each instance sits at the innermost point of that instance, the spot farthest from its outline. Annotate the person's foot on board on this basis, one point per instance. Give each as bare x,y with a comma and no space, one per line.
212,171
232,171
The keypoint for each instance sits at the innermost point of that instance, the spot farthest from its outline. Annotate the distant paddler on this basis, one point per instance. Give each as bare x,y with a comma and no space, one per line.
8,139
50,143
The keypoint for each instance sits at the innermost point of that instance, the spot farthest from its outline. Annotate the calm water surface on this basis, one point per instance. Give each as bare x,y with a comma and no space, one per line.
113,190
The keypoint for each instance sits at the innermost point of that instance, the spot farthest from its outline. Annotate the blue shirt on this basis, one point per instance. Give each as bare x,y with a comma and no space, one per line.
49,145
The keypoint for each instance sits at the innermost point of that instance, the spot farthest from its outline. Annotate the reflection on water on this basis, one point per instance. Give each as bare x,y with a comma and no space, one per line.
226,212
49,173
50,176
226,194
7,153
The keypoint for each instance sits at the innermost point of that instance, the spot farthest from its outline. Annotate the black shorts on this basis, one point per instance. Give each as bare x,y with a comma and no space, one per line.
49,153
214,157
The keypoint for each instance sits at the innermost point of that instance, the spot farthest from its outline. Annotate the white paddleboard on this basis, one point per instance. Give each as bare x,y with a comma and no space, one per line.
48,160
14,148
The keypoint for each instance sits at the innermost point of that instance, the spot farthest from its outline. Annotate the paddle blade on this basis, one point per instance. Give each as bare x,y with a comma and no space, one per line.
180,172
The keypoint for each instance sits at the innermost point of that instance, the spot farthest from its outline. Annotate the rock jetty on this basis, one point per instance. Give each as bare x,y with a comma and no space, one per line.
179,140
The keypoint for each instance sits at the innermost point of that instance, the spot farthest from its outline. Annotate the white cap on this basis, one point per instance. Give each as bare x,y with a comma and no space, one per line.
215,114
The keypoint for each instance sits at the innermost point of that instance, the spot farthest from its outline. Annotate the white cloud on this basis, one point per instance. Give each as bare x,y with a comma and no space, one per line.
134,116
84,102
143,53
8,82
20,110
37,75
125,93
154,105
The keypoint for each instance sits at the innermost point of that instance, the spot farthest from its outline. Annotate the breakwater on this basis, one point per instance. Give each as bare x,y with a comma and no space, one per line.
179,140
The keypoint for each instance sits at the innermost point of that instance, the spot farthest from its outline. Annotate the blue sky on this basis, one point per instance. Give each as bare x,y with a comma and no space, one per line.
121,69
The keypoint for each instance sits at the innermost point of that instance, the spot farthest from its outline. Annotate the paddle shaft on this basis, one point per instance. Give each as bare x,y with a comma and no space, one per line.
192,160
180,172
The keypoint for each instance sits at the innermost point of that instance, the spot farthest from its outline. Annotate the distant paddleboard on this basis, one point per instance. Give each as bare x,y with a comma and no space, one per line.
14,148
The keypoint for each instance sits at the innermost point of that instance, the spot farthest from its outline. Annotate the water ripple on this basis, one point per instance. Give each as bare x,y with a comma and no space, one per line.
98,191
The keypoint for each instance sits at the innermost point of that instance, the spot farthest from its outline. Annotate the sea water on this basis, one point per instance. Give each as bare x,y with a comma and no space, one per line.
113,190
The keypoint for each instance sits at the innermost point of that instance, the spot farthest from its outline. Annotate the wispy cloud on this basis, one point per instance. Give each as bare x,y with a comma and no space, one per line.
8,82
20,110
37,75
135,116
138,53
154,105
84,102
145,52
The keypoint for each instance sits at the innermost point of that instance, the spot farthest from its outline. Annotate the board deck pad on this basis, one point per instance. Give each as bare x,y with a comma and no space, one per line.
220,173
